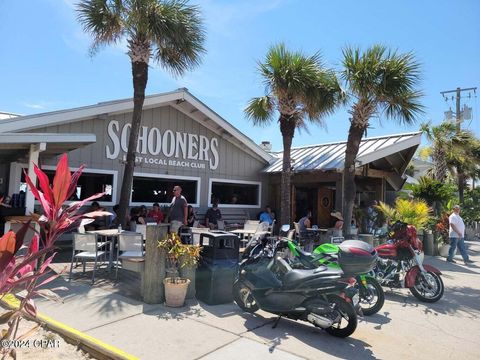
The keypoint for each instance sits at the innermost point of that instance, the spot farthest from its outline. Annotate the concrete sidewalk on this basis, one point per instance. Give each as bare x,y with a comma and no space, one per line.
404,328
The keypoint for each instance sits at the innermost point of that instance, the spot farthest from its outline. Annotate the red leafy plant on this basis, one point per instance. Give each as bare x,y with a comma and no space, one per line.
23,270
441,229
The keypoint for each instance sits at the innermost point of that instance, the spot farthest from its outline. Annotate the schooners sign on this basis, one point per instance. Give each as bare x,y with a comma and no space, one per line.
180,149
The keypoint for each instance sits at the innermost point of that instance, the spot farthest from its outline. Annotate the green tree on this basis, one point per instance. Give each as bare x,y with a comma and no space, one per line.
452,151
380,83
435,193
169,32
298,88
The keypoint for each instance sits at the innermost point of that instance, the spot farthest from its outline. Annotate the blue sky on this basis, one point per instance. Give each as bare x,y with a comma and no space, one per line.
45,63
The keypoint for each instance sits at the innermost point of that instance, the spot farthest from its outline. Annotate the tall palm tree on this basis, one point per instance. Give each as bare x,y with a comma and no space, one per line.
298,88
168,32
381,83
452,150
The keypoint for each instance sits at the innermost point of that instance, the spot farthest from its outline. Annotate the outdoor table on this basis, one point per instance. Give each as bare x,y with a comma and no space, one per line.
113,235
241,233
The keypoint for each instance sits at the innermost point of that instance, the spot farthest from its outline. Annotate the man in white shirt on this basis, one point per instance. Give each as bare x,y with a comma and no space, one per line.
456,232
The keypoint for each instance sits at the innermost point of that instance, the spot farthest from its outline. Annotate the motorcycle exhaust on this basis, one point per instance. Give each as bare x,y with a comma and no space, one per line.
320,321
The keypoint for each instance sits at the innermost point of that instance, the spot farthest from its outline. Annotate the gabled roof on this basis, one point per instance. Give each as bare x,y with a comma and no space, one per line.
180,99
331,156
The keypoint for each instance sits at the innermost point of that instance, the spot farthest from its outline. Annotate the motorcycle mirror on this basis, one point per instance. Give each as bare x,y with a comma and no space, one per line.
285,228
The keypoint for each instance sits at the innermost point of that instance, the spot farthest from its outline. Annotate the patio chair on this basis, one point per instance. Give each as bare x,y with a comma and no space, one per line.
220,225
141,229
129,246
86,248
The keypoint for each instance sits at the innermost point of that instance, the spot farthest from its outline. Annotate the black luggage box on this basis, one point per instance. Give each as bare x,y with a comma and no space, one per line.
356,257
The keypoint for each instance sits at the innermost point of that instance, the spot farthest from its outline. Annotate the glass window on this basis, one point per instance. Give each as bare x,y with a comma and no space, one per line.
150,190
88,184
236,193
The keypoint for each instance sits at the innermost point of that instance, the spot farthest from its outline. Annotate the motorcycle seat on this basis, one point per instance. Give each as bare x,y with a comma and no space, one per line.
299,276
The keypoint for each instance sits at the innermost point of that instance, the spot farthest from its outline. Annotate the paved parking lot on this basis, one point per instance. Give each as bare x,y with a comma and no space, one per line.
404,329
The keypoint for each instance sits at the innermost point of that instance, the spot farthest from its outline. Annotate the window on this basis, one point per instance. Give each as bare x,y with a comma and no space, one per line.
232,193
89,183
146,190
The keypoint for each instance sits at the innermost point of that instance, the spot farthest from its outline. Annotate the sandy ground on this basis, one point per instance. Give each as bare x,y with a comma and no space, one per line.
45,345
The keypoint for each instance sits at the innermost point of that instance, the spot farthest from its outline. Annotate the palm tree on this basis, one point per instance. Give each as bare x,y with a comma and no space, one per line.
381,82
169,32
452,151
299,88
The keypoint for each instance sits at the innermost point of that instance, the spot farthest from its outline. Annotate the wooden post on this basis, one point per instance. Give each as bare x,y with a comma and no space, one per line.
152,279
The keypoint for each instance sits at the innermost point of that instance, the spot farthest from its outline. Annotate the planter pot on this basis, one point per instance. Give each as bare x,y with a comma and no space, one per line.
443,250
175,292
428,247
188,272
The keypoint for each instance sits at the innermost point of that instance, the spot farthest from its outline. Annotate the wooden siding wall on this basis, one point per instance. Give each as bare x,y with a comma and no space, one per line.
234,164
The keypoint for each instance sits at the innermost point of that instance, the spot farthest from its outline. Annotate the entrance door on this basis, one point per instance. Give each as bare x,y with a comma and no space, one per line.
325,206
305,199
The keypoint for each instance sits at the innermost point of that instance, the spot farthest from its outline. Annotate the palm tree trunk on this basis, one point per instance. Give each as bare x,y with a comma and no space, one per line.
140,78
355,134
287,128
461,183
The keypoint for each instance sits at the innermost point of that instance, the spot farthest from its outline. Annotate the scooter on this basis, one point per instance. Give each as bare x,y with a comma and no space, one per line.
371,293
321,296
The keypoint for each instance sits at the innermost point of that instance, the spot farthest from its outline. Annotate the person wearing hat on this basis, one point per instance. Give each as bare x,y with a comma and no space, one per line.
456,232
339,222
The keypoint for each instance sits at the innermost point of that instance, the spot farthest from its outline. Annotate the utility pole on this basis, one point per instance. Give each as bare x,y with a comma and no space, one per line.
458,121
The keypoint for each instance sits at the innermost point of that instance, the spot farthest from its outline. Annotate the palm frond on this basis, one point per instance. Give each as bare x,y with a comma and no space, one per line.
260,110
101,19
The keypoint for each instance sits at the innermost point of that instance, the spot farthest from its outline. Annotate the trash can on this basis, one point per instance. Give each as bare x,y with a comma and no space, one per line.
217,267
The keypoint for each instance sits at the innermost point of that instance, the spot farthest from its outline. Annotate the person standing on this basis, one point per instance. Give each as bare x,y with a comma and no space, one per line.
178,210
213,215
456,232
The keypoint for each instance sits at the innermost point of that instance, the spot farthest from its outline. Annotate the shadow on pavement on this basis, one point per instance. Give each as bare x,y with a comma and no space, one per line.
315,338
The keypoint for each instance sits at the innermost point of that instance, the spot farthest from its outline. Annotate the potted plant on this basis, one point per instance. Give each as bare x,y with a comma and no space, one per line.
177,256
441,235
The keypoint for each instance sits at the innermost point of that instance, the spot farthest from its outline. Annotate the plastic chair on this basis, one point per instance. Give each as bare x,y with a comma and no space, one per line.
220,225
87,246
129,246
141,229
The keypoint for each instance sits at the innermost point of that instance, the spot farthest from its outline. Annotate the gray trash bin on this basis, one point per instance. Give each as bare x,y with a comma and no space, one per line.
217,267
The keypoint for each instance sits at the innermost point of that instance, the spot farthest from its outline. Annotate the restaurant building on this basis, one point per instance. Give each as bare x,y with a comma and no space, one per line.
184,142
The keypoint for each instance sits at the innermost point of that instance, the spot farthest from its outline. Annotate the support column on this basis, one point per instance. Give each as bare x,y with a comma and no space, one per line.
35,150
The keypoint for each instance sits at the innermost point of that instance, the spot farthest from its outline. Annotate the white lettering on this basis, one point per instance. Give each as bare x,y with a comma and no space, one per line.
192,147
154,141
204,147
214,149
124,141
142,140
112,130
168,149
181,144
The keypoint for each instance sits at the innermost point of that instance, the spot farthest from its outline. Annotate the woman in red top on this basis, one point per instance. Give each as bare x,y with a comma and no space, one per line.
156,214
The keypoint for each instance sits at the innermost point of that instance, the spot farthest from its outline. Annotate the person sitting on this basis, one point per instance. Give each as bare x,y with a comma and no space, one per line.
213,215
135,218
191,216
338,227
100,222
156,214
267,215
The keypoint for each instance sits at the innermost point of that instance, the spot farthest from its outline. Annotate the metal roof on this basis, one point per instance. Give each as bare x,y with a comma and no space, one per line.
331,156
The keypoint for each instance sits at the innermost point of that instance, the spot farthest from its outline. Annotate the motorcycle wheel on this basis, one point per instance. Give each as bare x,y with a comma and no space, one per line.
242,295
347,323
428,288
372,296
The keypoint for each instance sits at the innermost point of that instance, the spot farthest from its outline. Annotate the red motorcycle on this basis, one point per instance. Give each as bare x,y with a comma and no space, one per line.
400,265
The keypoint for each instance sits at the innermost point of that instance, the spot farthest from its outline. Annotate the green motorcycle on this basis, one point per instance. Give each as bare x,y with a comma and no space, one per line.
371,293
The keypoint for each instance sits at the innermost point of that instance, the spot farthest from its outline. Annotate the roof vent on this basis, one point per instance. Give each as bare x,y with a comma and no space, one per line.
265,145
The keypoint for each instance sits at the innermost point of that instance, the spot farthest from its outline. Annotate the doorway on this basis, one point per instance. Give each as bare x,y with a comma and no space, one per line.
305,199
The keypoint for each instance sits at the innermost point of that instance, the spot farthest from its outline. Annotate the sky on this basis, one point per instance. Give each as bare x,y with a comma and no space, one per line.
46,65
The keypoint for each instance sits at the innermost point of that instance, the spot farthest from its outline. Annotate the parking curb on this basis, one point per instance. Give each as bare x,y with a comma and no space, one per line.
93,346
